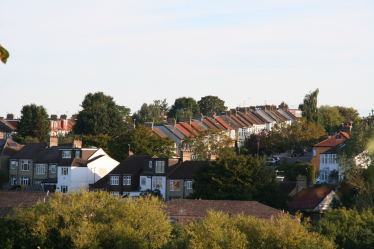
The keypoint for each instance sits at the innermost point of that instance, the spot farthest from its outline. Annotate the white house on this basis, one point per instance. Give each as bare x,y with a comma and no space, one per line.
79,167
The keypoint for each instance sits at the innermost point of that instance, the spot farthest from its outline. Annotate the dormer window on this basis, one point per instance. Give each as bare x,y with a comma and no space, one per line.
339,137
160,166
66,154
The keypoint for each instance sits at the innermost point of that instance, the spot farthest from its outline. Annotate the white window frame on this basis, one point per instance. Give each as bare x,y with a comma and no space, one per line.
40,169
189,184
114,180
66,154
13,164
25,163
157,182
143,181
172,185
13,180
52,168
64,171
127,180
64,189
24,180
160,167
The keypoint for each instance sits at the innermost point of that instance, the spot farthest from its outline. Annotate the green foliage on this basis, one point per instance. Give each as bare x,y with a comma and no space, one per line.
349,114
99,141
149,192
4,54
348,228
153,112
206,142
258,142
100,115
297,136
142,142
183,107
330,118
309,107
239,178
89,220
211,103
220,230
33,126
298,168
3,177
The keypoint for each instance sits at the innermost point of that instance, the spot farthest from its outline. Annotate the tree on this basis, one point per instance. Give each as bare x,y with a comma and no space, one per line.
349,114
90,220
330,118
4,54
207,142
99,141
297,136
212,103
142,142
257,143
309,107
238,178
183,107
100,115
291,171
153,112
34,124
348,228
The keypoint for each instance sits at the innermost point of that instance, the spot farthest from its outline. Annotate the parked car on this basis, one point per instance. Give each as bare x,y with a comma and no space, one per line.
271,160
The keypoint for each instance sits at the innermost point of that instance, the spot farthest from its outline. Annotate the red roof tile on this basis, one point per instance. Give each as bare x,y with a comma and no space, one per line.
197,127
309,198
210,125
183,130
223,123
332,141
189,128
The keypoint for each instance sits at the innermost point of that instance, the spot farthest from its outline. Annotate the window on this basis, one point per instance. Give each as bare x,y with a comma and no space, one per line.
64,171
333,158
323,159
157,182
64,189
24,180
25,166
143,181
14,181
189,184
77,154
52,168
114,180
114,193
66,154
13,164
150,164
40,169
174,185
314,152
160,166
127,180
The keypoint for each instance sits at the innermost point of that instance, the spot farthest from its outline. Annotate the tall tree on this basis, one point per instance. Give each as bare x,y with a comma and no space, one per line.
239,178
183,107
34,124
153,112
349,114
212,103
309,107
330,118
100,115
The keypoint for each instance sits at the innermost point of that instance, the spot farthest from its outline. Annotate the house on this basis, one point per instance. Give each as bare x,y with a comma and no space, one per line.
7,149
7,130
11,120
292,188
184,210
125,177
179,184
12,199
60,126
21,170
324,146
78,167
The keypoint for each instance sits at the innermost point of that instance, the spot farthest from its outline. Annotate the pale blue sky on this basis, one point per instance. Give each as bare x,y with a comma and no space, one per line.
245,52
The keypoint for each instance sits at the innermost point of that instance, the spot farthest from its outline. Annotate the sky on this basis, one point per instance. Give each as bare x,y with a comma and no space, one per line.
245,52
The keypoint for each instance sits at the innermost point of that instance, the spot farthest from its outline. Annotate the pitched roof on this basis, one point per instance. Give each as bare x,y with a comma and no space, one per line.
216,124
159,132
183,130
197,126
223,123
334,150
332,141
173,131
187,170
130,165
209,124
51,155
30,151
189,128
5,126
309,198
7,148
287,187
184,209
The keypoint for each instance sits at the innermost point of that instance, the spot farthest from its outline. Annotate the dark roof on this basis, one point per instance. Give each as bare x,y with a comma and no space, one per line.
174,131
51,155
168,169
184,209
334,150
187,170
130,165
6,149
287,187
30,151
6,126
9,200
309,198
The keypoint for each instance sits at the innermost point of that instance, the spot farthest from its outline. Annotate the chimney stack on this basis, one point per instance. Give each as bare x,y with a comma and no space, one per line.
10,116
243,110
52,141
301,182
64,117
199,117
53,117
77,143
186,156
233,112
212,114
187,119
149,125
171,121
252,108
